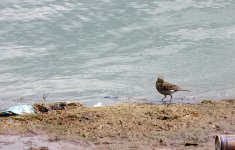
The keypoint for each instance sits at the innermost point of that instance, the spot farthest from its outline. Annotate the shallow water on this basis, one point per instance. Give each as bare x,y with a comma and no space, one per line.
112,51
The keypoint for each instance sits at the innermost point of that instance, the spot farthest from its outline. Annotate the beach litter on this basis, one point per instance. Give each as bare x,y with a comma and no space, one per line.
225,142
32,109
99,104
18,110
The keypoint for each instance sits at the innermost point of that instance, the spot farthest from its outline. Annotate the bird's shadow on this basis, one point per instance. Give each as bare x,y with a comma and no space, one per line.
159,102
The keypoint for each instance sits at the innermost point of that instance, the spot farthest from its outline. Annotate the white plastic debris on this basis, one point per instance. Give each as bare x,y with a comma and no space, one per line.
21,109
99,104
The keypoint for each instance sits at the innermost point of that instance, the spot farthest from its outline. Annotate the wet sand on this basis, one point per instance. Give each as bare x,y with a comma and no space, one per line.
125,126
40,142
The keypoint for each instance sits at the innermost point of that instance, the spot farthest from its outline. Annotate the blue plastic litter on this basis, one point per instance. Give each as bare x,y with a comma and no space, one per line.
21,109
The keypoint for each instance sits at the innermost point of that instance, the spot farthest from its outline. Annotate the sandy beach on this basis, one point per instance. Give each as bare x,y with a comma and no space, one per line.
125,126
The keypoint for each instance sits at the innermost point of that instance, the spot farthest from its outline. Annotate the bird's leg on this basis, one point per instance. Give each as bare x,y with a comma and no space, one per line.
163,98
171,97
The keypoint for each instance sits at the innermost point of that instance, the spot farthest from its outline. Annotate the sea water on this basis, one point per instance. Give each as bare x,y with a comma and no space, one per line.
112,51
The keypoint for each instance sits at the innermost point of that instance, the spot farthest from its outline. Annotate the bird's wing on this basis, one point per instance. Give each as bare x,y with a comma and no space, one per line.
169,86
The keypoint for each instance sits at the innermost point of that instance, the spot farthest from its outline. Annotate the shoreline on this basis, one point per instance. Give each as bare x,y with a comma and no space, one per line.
128,126
110,100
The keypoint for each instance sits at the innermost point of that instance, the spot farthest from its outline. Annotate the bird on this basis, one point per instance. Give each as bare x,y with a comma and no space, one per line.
166,88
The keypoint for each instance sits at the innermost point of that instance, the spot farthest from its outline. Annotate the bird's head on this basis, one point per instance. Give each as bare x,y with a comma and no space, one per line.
160,79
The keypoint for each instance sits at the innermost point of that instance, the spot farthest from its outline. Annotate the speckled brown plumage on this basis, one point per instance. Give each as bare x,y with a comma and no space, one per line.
166,88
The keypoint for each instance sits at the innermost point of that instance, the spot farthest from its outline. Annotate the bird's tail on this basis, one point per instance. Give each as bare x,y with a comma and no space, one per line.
185,90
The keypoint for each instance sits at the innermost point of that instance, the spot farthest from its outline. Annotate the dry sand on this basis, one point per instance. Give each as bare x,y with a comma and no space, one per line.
126,126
